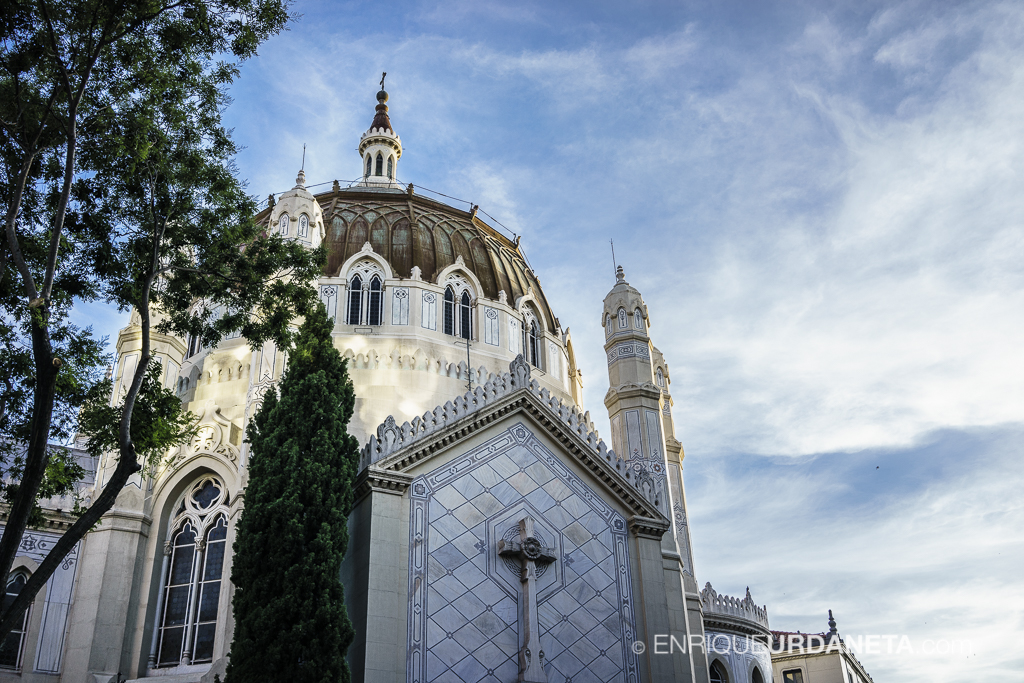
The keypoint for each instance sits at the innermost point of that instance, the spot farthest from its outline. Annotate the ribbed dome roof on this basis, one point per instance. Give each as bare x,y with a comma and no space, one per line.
410,230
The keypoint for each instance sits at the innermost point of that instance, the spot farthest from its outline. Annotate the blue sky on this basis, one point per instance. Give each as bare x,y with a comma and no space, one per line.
821,204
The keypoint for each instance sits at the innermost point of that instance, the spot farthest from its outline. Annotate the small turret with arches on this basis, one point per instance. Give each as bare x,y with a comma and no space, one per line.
380,148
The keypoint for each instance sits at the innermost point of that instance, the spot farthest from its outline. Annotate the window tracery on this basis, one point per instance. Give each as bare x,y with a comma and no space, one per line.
458,307
532,334
191,576
303,226
13,644
622,319
365,299
638,319
283,223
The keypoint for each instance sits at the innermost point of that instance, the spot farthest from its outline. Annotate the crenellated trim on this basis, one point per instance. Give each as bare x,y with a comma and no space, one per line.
399,448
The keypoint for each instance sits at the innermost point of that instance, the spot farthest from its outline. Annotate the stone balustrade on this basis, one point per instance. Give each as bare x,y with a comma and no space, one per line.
744,608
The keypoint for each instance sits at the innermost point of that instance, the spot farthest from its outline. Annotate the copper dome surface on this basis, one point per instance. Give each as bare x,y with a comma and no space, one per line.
412,230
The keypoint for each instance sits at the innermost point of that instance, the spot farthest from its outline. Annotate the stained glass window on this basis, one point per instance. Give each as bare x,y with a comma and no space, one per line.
191,578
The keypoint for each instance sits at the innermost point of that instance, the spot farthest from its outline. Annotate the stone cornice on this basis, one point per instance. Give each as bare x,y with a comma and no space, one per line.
646,390
384,481
649,527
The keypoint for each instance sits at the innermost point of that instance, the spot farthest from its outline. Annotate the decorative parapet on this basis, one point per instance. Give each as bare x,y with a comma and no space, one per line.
715,604
391,438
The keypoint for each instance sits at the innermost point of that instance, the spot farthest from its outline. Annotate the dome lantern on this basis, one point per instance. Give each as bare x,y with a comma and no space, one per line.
380,148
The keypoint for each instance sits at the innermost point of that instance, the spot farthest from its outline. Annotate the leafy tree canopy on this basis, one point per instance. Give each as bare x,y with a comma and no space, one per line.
118,183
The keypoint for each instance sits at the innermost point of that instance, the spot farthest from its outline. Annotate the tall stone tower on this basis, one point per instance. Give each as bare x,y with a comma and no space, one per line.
639,407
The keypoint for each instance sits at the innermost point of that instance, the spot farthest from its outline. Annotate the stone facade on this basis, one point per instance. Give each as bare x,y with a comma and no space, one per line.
495,536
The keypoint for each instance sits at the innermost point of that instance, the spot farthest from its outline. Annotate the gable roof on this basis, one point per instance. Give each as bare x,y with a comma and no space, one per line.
398,449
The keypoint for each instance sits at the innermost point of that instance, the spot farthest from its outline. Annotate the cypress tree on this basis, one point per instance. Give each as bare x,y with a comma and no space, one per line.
290,619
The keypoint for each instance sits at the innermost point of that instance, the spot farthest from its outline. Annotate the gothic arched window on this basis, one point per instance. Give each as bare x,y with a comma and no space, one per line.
718,673
375,307
303,225
534,344
661,378
10,651
369,164
355,300
638,319
465,317
283,223
622,319
380,164
449,311
391,167
756,676
190,579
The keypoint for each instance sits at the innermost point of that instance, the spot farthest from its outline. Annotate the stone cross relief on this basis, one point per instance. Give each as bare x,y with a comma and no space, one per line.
530,552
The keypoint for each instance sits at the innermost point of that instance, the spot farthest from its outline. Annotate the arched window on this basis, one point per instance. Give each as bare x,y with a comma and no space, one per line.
190,581
622,319
661,378
375,307
355,300
10,651
449,311
638,319
718,673
380,164
465,317
283,224
369,164
534,344
303,225
391,167
756,676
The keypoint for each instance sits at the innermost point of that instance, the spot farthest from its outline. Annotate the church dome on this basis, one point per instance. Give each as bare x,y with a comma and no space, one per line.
411,231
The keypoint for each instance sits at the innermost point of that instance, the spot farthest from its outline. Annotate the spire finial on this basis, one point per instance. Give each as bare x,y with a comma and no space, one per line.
382,77
831,623
300,180
620,276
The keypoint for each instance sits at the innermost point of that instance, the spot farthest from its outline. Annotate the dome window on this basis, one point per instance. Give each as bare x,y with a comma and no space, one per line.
355,301
375,309
369,165
391,168
380,164
638,319
303,225
465,317
283,223
458,313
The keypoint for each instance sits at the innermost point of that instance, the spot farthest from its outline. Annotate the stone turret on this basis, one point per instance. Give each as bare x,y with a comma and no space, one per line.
297,215
380,148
